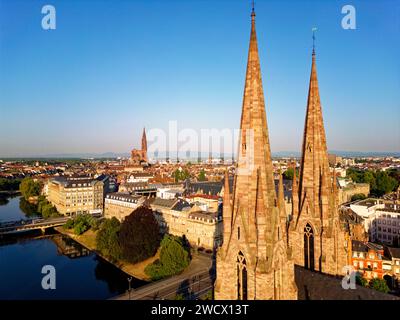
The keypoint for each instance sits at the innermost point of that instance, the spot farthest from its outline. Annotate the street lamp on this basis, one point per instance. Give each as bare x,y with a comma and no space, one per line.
129,287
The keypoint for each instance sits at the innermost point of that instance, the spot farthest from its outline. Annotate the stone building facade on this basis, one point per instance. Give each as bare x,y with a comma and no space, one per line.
121,205
180,218
346,192
76,194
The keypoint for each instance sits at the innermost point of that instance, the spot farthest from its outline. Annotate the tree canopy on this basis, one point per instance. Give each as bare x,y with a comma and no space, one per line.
107,241
381,182
80,223
379,285
9,184
30,188
174,258
139,236
288,174
180,175
202,175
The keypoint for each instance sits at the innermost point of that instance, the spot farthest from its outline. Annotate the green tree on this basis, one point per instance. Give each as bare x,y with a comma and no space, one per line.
46,209
29,188
174,258
185,174
288,174
9,184
139,235
69,224
369,177
176,175
355,175
384,184
379,285
80,227
80,223
361,281
202,175
107,241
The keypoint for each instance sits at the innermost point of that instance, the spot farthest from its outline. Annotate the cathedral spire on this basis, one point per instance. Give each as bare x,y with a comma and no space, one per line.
254,147
144,140
253,264
144,145
314,162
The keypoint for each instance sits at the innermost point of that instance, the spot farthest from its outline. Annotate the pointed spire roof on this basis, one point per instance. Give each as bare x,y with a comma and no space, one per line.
144,140
314,161
254,147
254,164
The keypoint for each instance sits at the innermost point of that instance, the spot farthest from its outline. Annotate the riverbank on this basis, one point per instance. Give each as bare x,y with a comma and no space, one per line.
88,240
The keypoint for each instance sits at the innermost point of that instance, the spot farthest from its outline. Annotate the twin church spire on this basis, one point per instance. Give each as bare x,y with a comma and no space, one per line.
261,245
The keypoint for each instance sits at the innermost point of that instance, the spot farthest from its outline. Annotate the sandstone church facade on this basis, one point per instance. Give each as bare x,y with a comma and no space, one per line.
139,156
261,243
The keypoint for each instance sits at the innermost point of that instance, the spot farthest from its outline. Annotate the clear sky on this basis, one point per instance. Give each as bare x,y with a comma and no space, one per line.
112,67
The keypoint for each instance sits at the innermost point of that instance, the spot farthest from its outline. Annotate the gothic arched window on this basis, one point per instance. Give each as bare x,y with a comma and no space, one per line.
308,247
241,277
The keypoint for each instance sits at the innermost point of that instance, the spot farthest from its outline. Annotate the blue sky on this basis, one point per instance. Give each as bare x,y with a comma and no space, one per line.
112,67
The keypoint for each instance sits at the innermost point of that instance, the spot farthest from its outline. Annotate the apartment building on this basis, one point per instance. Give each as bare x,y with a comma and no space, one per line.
77,194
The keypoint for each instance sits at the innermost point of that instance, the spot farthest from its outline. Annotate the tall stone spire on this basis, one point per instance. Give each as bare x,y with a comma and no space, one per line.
254,147
314,171
254,253
144,145
316,238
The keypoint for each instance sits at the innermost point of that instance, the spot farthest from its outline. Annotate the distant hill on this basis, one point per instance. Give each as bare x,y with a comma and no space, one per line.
194,155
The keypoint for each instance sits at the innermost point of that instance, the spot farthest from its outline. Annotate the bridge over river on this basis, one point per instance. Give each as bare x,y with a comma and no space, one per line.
31,224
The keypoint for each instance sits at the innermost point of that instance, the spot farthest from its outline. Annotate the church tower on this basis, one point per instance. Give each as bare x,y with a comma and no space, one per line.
316,237
144,145
253,261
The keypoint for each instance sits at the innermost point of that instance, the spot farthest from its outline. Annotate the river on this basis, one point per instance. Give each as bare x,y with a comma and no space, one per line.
80,273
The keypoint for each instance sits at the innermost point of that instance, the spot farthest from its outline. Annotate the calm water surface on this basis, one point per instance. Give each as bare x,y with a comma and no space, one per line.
80,274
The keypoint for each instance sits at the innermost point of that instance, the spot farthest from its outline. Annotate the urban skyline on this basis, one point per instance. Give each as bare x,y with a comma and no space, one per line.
199,209
199,83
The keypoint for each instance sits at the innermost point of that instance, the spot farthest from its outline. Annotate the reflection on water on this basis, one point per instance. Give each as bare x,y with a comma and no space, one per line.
16,208
3,200
80,273
28,208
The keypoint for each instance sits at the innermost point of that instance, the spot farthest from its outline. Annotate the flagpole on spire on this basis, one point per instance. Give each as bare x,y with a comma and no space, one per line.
313,37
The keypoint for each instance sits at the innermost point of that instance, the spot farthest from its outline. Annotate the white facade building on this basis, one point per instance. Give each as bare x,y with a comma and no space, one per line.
381,220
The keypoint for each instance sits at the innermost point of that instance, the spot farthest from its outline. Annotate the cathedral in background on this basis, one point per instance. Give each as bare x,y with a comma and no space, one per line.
139,157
